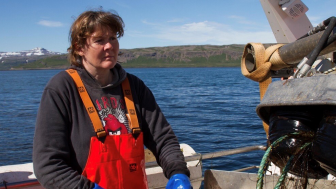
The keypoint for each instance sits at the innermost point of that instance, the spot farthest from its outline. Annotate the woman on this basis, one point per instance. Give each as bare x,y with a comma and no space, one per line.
74,150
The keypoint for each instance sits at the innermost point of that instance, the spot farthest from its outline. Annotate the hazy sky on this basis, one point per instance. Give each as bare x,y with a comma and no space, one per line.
26,24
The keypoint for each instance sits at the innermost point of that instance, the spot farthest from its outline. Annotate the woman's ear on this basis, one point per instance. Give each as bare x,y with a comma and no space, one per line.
80,53
79,50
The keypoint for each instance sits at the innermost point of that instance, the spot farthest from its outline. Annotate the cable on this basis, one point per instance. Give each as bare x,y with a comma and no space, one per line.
306,63
313,55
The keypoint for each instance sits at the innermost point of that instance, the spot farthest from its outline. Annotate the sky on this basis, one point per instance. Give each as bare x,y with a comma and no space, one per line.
27,24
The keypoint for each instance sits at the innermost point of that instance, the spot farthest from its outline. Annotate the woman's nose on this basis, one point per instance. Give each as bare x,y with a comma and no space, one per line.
108,45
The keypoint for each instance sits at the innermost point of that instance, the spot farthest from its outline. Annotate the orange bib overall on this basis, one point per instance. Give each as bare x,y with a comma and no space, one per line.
117,162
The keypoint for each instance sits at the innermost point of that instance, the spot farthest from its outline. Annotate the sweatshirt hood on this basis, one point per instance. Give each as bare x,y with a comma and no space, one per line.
119,75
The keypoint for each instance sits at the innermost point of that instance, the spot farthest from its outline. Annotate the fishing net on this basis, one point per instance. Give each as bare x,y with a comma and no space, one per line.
283,122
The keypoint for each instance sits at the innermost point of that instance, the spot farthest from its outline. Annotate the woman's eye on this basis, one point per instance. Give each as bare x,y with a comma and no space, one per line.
99,41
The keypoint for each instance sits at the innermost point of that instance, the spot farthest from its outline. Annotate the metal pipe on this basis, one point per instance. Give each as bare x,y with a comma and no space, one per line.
291,53
247,168
227,152
215,154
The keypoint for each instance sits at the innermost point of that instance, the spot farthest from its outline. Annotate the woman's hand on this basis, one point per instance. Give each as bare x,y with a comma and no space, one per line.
180,181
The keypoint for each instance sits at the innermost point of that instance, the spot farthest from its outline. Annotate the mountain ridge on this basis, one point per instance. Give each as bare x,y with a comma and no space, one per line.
170,56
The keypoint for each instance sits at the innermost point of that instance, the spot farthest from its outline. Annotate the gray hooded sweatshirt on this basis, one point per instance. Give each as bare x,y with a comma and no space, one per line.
63,127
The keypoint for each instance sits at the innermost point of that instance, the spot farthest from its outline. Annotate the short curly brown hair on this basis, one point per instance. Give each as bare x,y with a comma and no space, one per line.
85,25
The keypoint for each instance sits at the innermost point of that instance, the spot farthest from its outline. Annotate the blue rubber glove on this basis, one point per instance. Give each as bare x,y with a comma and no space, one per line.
96,186
179,181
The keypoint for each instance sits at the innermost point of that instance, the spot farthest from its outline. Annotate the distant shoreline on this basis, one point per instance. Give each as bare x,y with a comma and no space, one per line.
156,57
63,68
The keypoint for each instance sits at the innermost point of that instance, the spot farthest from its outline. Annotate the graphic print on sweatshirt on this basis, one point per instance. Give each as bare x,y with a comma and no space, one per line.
113,115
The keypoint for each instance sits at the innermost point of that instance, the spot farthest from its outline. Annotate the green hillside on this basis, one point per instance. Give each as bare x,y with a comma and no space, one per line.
175,56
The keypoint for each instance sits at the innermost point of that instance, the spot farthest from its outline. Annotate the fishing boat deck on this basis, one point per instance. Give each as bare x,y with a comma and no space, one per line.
242,180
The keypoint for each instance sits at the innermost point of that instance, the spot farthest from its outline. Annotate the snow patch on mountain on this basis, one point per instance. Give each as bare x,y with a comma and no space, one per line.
38,51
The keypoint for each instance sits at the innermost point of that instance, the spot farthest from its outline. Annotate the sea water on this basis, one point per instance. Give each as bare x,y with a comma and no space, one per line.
211,109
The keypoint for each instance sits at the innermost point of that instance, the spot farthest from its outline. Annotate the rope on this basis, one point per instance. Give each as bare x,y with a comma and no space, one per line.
266,60
287,167
265,159
284,173
200,160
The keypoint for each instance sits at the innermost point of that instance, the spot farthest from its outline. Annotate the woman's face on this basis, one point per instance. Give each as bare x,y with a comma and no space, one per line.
101,50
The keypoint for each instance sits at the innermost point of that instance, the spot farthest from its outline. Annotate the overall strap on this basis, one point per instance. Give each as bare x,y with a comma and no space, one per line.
96,122
91,110
132,116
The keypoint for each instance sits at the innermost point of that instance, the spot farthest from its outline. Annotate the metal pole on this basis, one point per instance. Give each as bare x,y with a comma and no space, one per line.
291,53
215,154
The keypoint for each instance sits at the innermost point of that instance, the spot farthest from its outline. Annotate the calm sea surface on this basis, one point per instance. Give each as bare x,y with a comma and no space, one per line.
211,109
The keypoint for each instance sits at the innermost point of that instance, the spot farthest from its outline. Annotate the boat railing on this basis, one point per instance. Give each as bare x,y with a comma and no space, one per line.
194,161
211,155
33,183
